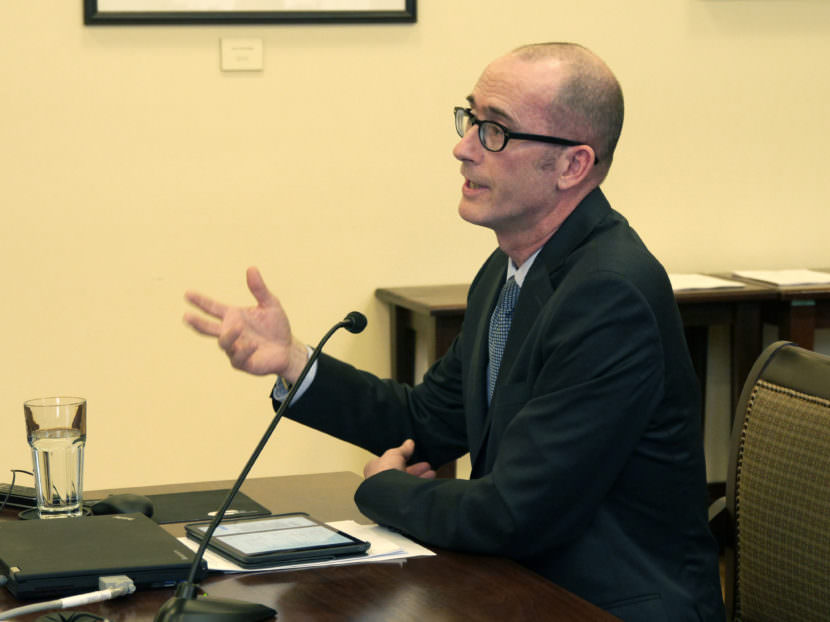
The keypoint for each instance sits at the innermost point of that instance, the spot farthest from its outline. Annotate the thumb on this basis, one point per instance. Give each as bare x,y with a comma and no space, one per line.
407,448
257,286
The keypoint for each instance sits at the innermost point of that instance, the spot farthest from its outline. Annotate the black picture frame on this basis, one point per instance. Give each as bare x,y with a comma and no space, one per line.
146,12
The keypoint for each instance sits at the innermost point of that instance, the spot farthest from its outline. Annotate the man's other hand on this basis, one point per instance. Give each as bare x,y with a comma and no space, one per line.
397,458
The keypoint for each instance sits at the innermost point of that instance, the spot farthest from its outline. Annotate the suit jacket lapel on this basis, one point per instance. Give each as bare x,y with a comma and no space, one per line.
537,288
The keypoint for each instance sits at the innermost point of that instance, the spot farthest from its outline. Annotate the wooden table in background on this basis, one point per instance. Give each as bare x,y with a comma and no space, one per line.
449,587
799,310
741,309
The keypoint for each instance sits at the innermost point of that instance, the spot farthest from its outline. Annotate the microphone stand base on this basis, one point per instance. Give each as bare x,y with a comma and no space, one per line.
206,609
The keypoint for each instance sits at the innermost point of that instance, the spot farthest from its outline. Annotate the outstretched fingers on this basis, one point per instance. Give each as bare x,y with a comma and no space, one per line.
210,306
200,323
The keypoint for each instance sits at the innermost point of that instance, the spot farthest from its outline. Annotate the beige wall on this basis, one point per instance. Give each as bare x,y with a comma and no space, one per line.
133,169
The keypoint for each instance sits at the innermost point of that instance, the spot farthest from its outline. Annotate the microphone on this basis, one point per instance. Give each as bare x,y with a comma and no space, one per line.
354,322
184,606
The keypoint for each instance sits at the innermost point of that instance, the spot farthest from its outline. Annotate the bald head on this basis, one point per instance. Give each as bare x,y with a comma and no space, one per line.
588,105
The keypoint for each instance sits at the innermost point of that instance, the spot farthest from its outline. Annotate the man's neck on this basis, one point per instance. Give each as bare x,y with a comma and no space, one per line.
520,245
520,253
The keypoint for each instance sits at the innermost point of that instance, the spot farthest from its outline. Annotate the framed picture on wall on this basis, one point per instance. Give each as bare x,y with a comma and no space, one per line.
104,12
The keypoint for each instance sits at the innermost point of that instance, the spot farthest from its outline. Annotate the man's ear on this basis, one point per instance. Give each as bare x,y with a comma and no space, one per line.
581,159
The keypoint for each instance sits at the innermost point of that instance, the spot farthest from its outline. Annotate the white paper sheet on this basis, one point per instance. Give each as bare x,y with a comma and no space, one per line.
786,277
386,546
685,282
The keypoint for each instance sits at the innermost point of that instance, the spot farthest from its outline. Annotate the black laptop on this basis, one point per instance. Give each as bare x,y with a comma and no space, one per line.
62,556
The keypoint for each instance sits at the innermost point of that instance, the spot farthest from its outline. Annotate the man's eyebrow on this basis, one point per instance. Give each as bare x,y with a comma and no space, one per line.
490,112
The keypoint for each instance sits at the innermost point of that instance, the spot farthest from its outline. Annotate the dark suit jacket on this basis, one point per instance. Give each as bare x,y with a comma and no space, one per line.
588,464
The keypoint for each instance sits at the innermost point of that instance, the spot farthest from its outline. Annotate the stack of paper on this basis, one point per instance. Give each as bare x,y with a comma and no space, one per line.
785,277
387,546
684,282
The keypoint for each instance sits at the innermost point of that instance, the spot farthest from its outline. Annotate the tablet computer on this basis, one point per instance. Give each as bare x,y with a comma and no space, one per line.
279,539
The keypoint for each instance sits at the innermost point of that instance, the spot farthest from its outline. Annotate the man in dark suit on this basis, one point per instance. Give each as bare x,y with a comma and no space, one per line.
570,383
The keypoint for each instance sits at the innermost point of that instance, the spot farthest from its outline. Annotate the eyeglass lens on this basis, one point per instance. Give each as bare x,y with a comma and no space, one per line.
490,134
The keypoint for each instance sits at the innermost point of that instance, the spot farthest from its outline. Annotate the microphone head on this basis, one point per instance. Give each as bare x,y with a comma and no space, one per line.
355,322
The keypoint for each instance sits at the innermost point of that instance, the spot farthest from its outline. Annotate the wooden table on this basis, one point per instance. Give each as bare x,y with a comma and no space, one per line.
448,587
799,310
442,306
741,310
438,311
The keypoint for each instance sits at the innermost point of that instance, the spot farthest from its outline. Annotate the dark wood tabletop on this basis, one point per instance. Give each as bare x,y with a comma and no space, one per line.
447,587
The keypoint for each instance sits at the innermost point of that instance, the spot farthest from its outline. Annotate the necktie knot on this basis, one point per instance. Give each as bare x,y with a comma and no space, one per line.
499,329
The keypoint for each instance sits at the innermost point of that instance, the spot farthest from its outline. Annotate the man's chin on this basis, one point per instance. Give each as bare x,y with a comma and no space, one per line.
473,214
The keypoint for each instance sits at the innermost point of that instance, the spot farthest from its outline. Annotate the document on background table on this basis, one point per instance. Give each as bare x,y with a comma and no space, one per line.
786,277
684,282
386,546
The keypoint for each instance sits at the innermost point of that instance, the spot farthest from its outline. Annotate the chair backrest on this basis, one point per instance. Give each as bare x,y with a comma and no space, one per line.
778,490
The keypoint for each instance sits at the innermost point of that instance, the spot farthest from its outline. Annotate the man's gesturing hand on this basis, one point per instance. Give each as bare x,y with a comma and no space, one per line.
257,339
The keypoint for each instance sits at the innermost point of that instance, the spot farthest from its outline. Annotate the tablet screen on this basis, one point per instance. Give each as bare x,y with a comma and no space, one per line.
277,538
284,539
231,527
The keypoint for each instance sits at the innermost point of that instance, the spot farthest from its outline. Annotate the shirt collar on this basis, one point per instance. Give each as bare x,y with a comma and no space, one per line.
520,273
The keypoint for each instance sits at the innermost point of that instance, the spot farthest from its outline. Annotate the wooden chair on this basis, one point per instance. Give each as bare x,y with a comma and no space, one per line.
777,506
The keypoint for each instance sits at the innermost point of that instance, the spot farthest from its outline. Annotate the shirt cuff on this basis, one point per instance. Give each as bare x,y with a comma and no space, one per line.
281,388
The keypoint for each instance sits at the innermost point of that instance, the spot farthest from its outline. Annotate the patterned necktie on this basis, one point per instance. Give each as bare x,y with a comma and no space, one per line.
499,328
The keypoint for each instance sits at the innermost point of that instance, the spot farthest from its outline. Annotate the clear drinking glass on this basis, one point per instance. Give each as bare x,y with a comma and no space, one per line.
56,430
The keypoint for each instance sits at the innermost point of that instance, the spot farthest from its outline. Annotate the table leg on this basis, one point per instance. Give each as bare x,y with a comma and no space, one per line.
446,330
747,342
798,322
403,346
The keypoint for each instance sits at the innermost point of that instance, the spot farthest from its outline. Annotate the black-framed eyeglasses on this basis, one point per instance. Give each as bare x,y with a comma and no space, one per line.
494,136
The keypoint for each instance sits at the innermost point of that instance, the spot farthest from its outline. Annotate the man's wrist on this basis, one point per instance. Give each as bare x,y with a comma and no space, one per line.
297,359
283,384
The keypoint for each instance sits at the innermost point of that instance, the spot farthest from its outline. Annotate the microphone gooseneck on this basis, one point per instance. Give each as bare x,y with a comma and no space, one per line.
184,606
